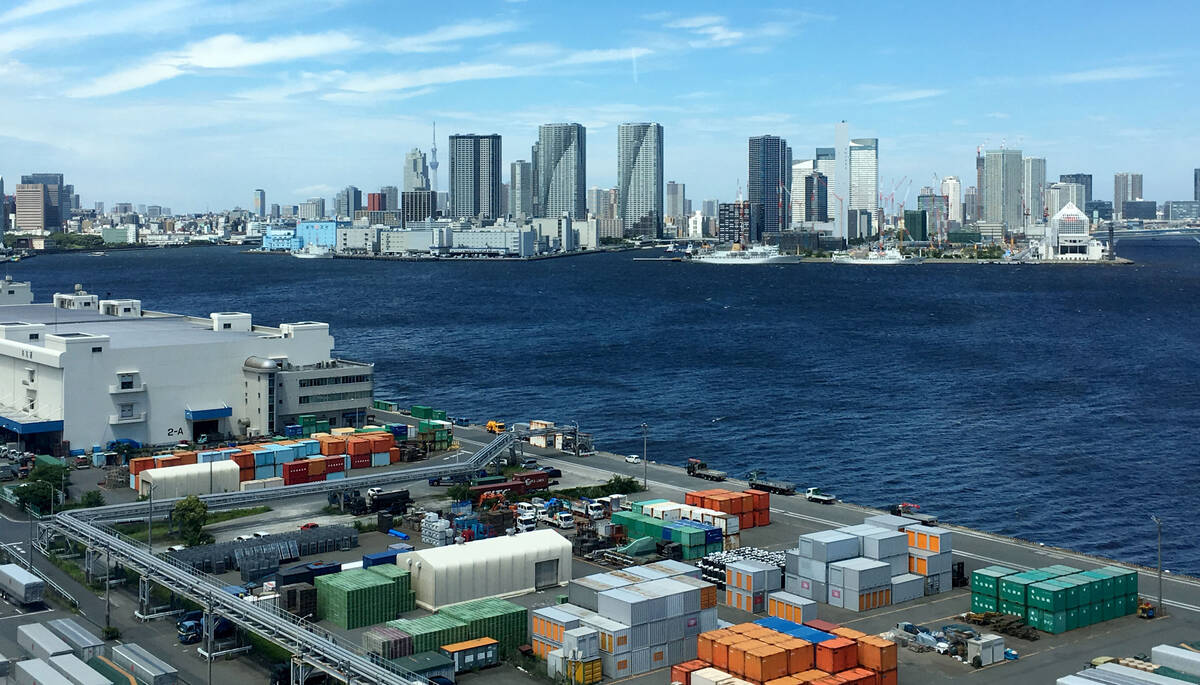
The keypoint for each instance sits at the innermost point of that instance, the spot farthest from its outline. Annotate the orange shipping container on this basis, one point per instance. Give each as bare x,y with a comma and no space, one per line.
786,680
762,499
720,650
767,662
836,655
316,467
810,676
708,596
746,520
186,458
889,677
244,460
877,653
682,673
743,628
800,655
762,518
381,442
737,655
164,462
358,446
395,457
859,676
245,475
829,680
331,446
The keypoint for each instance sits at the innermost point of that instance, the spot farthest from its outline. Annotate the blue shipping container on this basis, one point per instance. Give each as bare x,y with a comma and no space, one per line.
379,558
335,475
264,471
380,459
264,458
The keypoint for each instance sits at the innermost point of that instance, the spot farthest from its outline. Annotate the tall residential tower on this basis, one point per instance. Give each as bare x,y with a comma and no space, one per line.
475,176
640,178
769,180
562,170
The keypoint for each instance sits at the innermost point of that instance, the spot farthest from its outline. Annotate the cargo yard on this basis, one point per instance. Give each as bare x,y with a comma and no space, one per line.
683,582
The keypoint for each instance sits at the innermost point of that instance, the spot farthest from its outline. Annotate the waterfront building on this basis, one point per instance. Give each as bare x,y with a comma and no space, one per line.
1180,210
274,214
676,193
739,222
378,217
936,209
93,371
391,195
1126,186
952,189
1084,180
312,209
562,170
1145,210
475,176
520,189
347,202
810,193
640,178
124,234
362,240
769,180
260,203
1067,237
416,171
916,224
1002,190
864,175
1033,189
32,206
1059,195
57,198
419,205
709,208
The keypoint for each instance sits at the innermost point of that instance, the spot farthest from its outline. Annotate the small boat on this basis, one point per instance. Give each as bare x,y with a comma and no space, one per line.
889,257
313,252
99,254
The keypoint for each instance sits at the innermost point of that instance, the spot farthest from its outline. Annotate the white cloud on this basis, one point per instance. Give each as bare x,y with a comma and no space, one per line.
606,55
997,115
1130,73
906,95
226,51
444,38
32,8
695,22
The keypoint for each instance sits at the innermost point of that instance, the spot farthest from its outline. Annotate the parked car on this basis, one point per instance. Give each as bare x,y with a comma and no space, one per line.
552,472
243,538
176,548
309,526
633,459
529,463
261,534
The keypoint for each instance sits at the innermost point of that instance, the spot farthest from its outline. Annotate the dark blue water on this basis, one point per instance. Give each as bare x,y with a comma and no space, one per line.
1057,404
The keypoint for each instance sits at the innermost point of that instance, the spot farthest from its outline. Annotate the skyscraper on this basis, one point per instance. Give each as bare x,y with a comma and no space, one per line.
58,201
841,178
979,185
312,209
1084,180
416,171
597,201
864,174
970,205
1196,181
1059,195
562,170
274,214
475,176
520,189
1002,176
1126,186
260,203
419,205
376,202
640,178
769,180
391,195
739,222
675,197
347,201
935,209
708,208
1033,188
33,204
952,189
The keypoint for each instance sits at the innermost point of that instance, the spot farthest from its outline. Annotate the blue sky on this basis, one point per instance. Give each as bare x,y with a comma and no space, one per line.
194,103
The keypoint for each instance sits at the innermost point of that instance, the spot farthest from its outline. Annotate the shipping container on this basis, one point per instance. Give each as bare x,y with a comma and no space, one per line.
877,654
860,573
890,522
20,585
882,543
908,587
581,643
791,607
147,668
84,644
926,563
76,671
838,654
828,546
986,581
194,479
473,655
37,672
929,538
38,642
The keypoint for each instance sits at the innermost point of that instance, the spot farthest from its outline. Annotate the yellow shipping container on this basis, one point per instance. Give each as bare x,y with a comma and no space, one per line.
584,672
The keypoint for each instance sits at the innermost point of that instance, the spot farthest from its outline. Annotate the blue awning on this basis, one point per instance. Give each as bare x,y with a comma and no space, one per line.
26,424
206,414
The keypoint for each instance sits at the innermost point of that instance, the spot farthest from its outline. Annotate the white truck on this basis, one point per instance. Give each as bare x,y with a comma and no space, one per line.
593,511
815,495
526,523
562,519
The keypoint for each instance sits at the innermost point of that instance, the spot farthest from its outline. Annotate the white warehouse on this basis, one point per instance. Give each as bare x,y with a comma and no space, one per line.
82,371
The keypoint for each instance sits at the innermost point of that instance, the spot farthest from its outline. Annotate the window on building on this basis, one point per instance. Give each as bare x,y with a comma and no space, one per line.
226,326
31,375
126,409
126,381
35,336
97,349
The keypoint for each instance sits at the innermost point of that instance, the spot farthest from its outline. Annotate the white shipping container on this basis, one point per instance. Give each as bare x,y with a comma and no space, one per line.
39,643
76,671
673,568
885,544
616,665
850,598
818,570
681,650
828,545
1174,657
83,643
709,676
860,573
614,636
191,479
859,531
935,563
807,608
890,522
627,607
899,563
37,672
143,665
708,619
21,585
584,641
834,595
555,667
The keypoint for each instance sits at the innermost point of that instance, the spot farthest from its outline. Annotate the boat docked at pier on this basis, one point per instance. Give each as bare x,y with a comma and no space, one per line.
759,254
890,257
313,252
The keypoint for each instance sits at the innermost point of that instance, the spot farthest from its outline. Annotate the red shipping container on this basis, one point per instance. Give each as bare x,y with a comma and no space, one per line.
244,460
859,676
360,461
762,499
682,673
395,456
762,517
292,477
140,464
533,480
335,464
245,475
889,677
186,458
746,520
823,626
381,442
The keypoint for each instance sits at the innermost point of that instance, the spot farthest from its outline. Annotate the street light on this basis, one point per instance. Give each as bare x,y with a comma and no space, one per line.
150,521
645,460
1158,523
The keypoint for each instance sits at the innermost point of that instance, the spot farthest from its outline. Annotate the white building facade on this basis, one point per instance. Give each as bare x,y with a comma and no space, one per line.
1068,238
82,371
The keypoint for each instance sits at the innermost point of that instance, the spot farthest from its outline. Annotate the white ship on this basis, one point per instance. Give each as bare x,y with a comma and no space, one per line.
313,252
889,257
761,254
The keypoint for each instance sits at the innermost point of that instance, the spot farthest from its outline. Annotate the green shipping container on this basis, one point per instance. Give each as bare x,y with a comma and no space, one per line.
1072,588
1131,604
983,603
356,598
1013,588
498,619
1097,613
1085,615
1061,570
1048,596
1033,617
420,411
1013,608
1072,619
438,415
430,632
1105,582
1085,585
322,427
986,581
1110,608
406,599
1054,622
714,547
1125,580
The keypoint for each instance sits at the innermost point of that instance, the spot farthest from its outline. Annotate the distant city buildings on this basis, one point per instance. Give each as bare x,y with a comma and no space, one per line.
416,171
1099,210
419,205
1145,210
562,170
520,189
312,209
769,180
1003,172
1059,195
864,175
274,211
33,207
391,195
916,223
709,208
347,201
936,209
952,189
1196,182
1126,186
1067,236
475,176
1084,180
56,199
1181,210
1033,189
810,193
640,178
260,203
739,222
376,202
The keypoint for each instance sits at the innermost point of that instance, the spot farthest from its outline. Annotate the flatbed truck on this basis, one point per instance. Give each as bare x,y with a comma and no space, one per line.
815,495
699,469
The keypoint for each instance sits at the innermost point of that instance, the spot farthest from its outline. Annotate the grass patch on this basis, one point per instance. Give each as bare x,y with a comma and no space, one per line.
163,532
266,651
617,485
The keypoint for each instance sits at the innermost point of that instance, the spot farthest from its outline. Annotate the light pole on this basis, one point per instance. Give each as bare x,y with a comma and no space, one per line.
1158,523
645,460
150,521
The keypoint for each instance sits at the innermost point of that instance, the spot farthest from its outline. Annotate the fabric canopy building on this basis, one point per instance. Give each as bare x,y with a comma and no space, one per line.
496,567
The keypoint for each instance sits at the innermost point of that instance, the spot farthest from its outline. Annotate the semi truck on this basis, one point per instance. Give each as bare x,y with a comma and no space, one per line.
699,469
20,585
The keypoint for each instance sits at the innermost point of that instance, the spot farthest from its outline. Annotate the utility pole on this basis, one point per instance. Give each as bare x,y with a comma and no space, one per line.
31,525
107,585
645,459
150,522
1158,523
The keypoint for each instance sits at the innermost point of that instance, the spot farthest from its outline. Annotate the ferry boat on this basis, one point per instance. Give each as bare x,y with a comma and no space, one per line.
759,254
889,257
313,252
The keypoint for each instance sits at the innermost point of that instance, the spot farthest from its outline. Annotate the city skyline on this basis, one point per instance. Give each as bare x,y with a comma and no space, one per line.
276,91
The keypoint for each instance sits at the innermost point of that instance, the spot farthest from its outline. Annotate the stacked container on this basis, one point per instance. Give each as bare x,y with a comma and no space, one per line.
547,627
491,617
751,507
435,531
747,583
387,642
1056,598
356,598
806,570
929,555
860,584
791,607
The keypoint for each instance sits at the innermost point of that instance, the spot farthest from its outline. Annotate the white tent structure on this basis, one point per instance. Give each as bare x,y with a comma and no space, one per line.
496,567
190,479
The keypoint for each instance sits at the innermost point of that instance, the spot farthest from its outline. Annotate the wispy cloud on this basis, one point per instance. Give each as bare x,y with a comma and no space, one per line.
225,51
445,38
1126,73
904,95
33,8
997,115
695,22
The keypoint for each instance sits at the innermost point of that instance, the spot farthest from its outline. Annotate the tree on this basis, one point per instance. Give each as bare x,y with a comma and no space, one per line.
92,498
459,492
41,484
190,515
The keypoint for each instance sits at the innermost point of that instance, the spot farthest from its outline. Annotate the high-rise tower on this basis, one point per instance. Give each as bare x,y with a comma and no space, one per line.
640,178
769,180
562,170
475,176
433,163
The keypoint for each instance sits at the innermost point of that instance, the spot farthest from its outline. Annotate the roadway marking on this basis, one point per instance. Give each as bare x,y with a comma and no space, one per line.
23,615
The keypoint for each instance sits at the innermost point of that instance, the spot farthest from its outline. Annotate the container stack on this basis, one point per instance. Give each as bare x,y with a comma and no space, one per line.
435,531
747,583
806,570
387,642
578,660
547,627
752,507
785,605
712,567
695,537
929,556
860,584
787,652
356,598
1056,598
299,599
495,618
406,598
430,632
